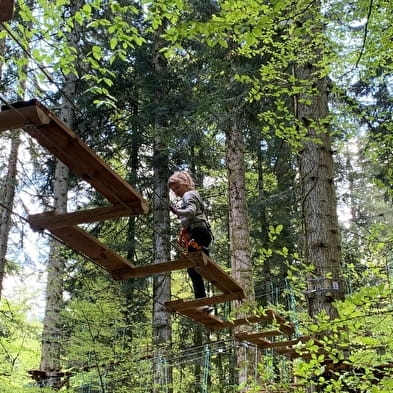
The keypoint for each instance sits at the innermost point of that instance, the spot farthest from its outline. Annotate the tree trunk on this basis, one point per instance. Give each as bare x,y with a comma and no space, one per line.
321,232
8,202
52,327
9,187
162,331
263,225
238,225
162,328
51,333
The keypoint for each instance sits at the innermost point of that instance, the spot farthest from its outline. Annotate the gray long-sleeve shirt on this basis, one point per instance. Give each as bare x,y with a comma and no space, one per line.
192,209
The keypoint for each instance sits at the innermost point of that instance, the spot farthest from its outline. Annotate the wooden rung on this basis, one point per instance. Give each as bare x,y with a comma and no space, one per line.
6,10
181,305
269,316
219,277
50,220
58,139
208,320
183,262
295,341
262,334
89,246
254,338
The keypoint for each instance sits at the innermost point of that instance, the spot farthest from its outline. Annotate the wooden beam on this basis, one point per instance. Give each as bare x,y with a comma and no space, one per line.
208,320
182,305
59,140
50,220
295,341
89,246
269,316
6,10
184,261
253,338
261,334
213,273
23,114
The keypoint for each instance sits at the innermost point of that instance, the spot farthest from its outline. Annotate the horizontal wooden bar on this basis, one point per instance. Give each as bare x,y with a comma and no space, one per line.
295,341
181,305
261,334
49,220
213,273
204,318
184,262
253,339
250,320
89,246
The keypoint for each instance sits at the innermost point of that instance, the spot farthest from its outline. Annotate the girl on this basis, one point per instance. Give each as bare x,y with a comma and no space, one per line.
193,221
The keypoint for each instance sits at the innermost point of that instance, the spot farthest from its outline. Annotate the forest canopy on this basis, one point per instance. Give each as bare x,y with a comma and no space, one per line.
282,113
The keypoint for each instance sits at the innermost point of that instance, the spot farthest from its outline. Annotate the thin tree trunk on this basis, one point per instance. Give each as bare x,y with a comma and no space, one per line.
9,188
238,224
8,202
162,328
52,332
52,327
162,331
267,277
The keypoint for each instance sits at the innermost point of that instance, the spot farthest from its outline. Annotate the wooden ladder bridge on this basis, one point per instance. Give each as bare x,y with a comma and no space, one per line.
123,200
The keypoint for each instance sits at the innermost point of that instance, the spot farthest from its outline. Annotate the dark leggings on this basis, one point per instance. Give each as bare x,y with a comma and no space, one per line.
202,236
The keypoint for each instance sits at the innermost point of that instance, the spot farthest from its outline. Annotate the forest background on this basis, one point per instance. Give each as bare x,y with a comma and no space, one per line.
237,93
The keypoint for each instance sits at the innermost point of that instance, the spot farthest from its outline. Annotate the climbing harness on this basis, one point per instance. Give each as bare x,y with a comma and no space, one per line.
183,238
185,241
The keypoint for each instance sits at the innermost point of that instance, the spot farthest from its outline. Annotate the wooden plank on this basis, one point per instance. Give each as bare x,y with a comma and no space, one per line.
269,316
219,277
206,319
253,337
24,114
261,334
295,341
59,140
182,305
183,262
6,10
89,246
50,220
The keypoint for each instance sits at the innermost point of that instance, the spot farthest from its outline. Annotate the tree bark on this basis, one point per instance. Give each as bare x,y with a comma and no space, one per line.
162,328
9,188
319,206
52,327
238,226
8,202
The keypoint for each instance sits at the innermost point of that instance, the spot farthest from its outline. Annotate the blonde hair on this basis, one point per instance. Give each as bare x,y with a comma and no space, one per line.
181,177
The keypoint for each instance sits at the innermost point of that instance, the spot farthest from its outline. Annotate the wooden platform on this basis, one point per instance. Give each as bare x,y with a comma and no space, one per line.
6,10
